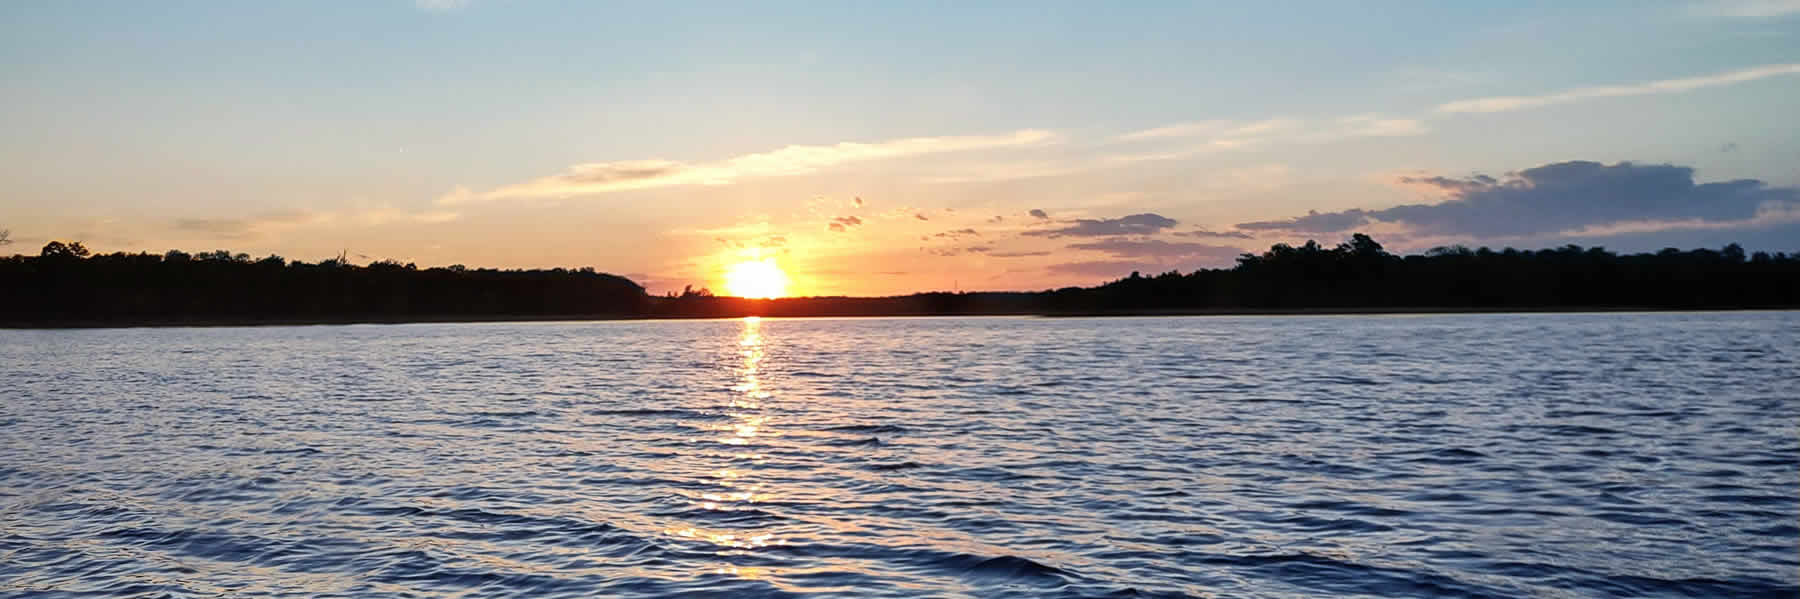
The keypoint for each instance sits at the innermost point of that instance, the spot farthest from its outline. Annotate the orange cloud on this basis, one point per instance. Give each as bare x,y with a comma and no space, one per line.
609,177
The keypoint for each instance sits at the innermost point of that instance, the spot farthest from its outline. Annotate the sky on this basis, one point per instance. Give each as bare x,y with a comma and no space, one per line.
874,148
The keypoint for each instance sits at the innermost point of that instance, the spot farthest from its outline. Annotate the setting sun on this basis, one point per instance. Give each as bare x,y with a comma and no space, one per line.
756,279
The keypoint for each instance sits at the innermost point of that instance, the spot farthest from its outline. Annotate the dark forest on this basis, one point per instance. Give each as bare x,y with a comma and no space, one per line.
65,285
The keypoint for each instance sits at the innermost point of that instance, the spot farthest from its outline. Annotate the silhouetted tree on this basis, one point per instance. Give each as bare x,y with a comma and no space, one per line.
1359,273
60,250
65,284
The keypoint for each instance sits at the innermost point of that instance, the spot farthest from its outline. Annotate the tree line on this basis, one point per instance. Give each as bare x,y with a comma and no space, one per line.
65,284
1359,273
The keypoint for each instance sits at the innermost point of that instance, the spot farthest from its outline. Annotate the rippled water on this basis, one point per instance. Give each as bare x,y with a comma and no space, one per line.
1474,455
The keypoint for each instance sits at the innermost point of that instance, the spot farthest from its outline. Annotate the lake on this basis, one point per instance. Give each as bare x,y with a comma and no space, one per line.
1550,455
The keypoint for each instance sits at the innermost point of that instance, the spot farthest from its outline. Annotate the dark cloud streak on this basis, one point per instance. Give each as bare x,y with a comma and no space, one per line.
1203,233
843,223
1157,248
1564,196
1136,224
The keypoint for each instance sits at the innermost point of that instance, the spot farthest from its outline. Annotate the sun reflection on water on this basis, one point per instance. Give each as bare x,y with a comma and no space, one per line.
739,488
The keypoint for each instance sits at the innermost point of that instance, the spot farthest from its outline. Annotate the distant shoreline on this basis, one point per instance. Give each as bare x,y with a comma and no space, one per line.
66,286
1364,311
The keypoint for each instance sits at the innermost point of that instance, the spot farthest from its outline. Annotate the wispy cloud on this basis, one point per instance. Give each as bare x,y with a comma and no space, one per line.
1665,86
608,177
1370,125
1217,129
958,251
1756,9
1136,224
1205,234
440,5
1157,248
250,228
1182,141
1179,130
219,228
1203,137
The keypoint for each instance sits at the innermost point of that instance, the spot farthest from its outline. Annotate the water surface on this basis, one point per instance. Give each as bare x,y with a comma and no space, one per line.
1627,455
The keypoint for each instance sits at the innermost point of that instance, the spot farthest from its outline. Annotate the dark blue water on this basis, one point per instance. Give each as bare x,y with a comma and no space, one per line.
1641,455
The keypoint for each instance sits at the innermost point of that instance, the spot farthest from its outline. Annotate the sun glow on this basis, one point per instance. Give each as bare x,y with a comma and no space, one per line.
760,279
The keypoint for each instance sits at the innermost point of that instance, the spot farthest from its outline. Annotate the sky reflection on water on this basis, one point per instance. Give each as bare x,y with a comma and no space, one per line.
1484,455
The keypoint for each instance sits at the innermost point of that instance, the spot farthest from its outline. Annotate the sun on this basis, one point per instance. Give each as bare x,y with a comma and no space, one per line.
762,279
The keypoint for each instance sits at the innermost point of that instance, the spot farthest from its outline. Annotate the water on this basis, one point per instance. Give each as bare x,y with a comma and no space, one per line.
1627,455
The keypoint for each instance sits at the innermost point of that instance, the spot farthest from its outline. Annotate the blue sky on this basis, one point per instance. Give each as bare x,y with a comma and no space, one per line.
668,143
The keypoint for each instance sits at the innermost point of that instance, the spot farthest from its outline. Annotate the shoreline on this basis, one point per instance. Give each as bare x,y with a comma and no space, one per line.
461,319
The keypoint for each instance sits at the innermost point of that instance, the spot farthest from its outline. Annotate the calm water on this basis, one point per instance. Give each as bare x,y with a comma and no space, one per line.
1475,456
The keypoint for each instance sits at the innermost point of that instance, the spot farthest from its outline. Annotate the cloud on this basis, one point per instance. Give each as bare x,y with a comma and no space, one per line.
843,223
440,5
1136,224
1755,9
250,228
1214,128
608,177
976,249
1773,235
1038,214
1560,197
1181,141
1665,86
958,233
1188,129
1475,182
1313,222
921,217
1227,135
1018,254
1156,248
1203,233
1145,255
